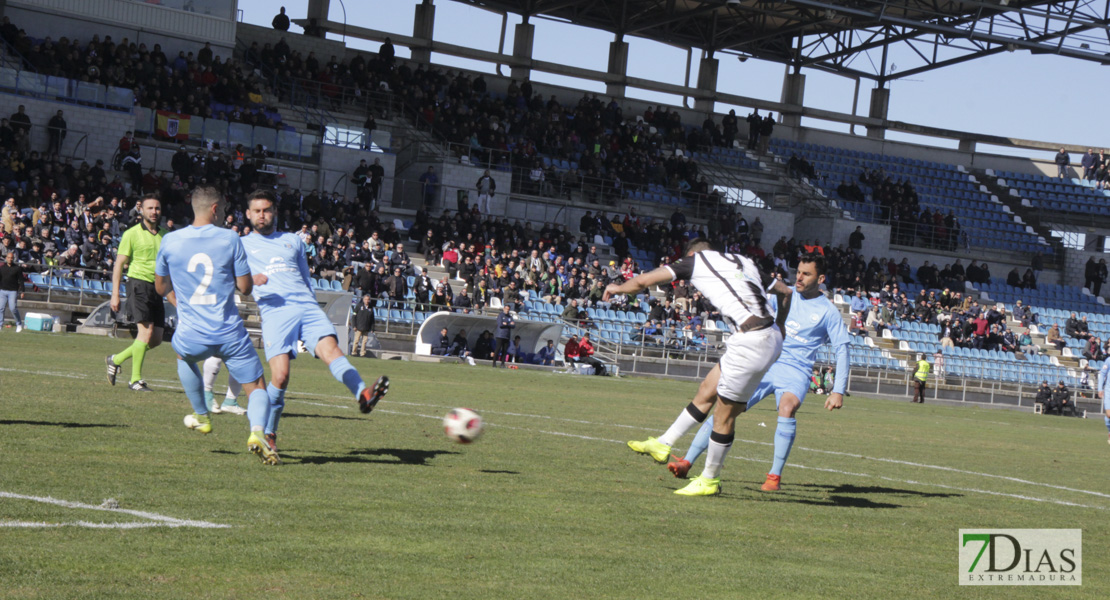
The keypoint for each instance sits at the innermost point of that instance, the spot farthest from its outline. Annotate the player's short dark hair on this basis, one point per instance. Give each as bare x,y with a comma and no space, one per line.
817,260
154,195
205,196
262,194
696,245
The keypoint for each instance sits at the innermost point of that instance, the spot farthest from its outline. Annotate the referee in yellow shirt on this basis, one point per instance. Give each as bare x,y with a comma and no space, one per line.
138,249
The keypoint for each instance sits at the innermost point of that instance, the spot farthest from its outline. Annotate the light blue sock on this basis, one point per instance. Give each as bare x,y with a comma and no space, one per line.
258,409
344,373
193,384
277,404
784,439
701,441
209,399
1107,420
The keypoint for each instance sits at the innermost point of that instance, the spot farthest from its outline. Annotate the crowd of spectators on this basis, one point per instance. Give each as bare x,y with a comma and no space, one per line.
189,83
611,153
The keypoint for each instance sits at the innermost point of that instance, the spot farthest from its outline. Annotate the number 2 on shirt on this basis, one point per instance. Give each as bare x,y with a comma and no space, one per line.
199,297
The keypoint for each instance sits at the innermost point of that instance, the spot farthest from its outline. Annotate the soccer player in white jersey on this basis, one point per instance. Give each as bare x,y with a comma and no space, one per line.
811,321
737,287
1104,393
283,291
199,268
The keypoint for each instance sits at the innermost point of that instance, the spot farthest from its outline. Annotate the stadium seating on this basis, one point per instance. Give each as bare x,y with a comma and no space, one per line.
1058,195
939,186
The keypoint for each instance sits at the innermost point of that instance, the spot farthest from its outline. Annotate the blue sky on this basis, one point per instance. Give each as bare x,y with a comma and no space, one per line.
1044,98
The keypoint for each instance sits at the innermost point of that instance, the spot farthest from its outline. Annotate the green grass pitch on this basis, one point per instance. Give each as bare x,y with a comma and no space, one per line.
548,504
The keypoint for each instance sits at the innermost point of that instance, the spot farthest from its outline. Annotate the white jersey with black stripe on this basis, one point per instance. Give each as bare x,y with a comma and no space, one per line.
733,283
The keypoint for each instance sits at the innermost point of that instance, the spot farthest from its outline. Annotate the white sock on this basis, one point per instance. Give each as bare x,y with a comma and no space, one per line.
211,369
680,426
233,387
715,459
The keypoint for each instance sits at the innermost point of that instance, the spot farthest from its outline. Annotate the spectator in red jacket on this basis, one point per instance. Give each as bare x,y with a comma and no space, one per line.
586,354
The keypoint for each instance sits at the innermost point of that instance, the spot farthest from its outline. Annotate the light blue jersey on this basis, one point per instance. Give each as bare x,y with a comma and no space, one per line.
810,324
202,263
281,258
1102,384
287,303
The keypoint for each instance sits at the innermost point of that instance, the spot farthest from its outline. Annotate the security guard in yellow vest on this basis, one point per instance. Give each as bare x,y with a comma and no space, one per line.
919,378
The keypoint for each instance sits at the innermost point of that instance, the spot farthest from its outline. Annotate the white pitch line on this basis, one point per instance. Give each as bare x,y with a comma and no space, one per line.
756,442
159,519
547,417
86,524
837,471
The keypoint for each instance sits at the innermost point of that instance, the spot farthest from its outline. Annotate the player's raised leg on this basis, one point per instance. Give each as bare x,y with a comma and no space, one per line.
745,362
706,395
681,467
328,350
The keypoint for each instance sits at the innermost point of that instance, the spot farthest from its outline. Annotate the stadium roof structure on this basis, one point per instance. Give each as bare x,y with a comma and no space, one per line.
855,38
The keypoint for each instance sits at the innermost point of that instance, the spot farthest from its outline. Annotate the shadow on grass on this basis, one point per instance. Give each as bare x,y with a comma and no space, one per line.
383,456
498,472
838,495
62,424
286,415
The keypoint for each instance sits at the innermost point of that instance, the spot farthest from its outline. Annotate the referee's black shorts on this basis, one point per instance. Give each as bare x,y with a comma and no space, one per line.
144,305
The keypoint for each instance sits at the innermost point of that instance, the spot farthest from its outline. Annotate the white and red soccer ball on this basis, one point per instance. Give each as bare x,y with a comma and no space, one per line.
462,425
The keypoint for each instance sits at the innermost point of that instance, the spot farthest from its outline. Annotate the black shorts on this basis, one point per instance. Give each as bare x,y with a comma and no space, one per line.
144,305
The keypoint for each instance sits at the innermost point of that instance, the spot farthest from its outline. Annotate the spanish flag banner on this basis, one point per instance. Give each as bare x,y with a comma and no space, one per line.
171,125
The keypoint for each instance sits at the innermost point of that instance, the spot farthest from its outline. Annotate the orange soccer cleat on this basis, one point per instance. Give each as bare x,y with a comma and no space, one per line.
679,466
772,483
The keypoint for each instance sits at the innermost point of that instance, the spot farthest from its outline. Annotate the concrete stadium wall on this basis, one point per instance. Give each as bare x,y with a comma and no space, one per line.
835,232
339,163
174,36
453,177
103,127
533,334
1075,264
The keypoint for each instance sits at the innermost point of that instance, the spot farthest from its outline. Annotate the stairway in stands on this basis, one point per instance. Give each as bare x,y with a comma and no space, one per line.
1015,206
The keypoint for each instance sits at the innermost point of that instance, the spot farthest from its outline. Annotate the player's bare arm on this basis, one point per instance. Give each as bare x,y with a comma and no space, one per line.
122,261
260,279
639,283
244,283
834,401
163,285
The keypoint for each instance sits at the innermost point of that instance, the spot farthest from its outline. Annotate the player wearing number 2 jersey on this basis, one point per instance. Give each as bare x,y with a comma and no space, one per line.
199,268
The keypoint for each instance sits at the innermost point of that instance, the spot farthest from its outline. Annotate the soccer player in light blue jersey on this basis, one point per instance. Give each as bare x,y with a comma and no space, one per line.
283,291
811,321
1103,383
199,268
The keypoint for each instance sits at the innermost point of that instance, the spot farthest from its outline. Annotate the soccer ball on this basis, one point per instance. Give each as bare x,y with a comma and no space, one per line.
462,425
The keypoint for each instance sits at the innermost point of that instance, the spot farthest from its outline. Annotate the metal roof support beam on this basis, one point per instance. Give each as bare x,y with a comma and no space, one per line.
887,19
423,28
522,51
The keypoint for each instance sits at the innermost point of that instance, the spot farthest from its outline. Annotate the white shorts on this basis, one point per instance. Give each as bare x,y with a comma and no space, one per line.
747,358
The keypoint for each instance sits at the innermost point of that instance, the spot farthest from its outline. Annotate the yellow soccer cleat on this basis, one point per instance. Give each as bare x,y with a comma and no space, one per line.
651,446
701,486
257,444
201,423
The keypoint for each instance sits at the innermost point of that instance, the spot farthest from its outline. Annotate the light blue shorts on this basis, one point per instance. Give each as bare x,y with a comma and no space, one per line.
283,326
239,356
780,379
